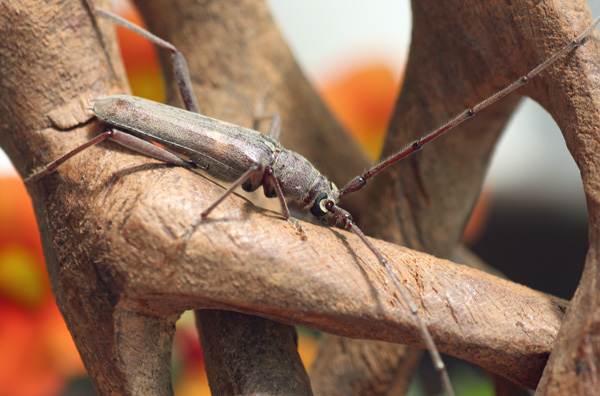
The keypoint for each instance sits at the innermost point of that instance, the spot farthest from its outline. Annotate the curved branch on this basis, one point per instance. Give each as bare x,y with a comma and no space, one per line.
111,221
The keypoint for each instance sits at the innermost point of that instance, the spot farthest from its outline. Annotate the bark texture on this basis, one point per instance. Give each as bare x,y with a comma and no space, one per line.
111,219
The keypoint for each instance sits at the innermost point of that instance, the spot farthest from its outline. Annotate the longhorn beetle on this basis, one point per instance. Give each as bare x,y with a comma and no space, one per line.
252,160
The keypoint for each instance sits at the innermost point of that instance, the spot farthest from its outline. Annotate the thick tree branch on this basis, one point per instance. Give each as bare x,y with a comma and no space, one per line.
111,219
461,53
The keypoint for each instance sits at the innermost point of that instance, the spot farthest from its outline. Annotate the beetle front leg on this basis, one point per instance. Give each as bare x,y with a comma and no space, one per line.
272,180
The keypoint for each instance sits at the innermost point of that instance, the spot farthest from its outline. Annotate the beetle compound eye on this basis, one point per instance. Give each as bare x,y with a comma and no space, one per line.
318,209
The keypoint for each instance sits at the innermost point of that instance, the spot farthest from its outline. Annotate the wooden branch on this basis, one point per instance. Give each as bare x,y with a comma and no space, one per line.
111,219
250,355
460,54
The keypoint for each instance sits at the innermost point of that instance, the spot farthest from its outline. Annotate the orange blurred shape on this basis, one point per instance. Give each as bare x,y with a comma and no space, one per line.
23,277
140,59
192,384
37,354
187,344
478,220
363,101
308,346
17,220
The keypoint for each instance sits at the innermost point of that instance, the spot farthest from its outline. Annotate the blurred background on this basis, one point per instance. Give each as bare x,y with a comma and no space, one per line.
532,200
